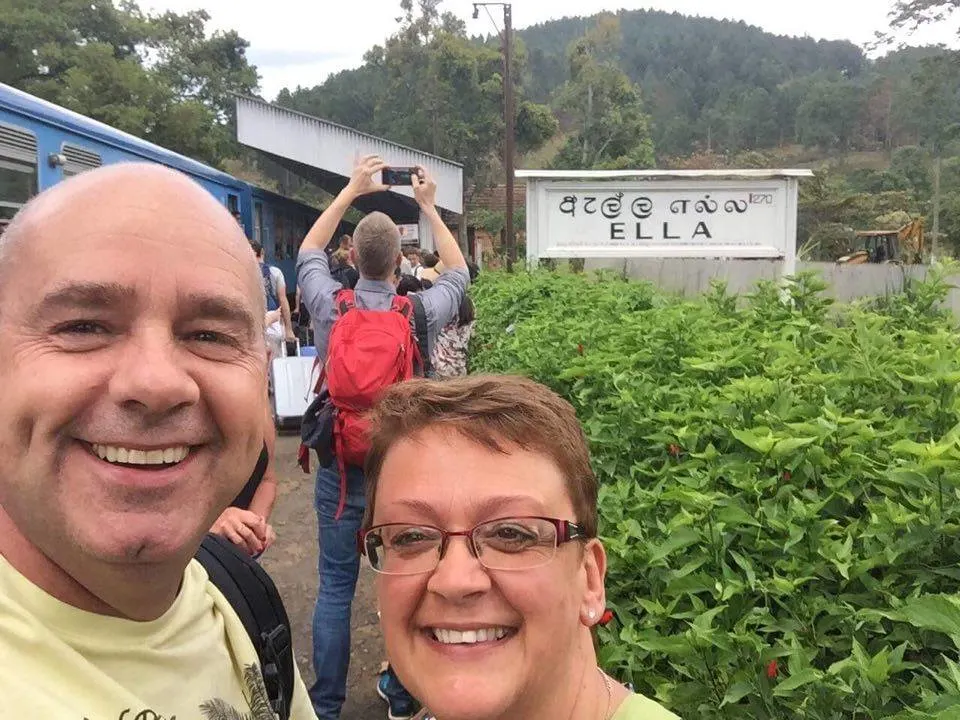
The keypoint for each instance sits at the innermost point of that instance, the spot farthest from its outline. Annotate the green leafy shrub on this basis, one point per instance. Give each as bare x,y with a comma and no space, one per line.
780,495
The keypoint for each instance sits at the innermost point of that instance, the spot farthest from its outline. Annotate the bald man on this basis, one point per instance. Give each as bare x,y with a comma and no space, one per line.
132,371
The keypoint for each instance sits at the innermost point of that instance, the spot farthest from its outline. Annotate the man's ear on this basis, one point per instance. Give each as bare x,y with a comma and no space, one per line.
594,568
353,256
399,259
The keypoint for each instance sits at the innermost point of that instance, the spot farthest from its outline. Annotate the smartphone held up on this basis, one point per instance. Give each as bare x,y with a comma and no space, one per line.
400,175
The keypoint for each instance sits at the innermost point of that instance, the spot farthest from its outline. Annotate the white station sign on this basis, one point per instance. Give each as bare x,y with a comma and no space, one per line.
663,214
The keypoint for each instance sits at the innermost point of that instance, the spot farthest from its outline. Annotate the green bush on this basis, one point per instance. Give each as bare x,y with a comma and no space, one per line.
780,495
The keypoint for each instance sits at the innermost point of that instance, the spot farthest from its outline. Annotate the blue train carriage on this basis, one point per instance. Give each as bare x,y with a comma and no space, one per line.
42,143
280,224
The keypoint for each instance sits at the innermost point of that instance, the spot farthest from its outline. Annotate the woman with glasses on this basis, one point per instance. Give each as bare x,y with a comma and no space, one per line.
489,570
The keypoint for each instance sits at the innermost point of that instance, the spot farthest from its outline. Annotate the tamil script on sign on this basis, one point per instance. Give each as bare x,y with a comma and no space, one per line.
658,217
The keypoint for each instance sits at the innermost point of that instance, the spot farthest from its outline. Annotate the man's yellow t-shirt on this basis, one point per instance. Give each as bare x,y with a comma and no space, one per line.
195,662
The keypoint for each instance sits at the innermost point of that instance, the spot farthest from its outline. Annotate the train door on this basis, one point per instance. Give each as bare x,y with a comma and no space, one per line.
18,170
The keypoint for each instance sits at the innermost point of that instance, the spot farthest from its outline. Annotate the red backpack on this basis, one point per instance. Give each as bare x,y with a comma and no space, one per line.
368,351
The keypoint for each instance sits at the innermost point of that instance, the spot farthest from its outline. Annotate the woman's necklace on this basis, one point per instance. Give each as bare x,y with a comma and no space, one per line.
607,684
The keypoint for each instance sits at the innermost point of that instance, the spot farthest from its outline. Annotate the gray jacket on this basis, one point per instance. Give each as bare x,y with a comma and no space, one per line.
318,291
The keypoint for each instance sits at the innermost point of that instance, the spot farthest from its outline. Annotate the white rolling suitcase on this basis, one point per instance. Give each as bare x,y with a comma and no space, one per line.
293,379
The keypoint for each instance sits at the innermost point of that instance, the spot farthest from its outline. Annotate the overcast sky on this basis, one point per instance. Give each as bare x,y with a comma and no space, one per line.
300,42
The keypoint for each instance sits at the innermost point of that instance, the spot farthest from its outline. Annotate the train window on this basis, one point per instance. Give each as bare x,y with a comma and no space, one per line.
278,237
233,204
18,169
294,237
258,222
79,159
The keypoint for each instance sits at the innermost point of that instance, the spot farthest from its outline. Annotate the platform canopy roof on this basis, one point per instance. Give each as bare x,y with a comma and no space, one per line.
324,153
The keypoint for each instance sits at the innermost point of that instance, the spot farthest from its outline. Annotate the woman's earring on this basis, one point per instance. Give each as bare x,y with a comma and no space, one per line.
592,614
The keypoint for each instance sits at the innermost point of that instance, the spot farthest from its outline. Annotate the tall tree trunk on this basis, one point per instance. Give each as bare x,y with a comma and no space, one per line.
887,140
585,150
434,120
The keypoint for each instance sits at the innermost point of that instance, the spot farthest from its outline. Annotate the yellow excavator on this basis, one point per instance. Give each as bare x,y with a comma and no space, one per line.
903,246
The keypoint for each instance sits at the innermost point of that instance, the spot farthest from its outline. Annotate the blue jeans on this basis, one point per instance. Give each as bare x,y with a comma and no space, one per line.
338,565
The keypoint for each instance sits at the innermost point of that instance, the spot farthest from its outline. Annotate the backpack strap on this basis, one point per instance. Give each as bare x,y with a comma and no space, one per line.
345,301
420,323
407,306
402,305
341,465
245,497
272,298
253,596
303,452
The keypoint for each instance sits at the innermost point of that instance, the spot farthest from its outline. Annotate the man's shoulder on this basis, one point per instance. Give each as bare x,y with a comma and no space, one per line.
313,270
640,707
314,254
249,595
448,291
457,278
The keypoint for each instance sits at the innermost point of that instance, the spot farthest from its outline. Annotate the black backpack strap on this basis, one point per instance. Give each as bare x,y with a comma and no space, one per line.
245,497
420,330
255,599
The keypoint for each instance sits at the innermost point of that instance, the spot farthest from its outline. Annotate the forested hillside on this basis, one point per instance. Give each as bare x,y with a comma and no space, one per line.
704,81
628,90
707,85
642,88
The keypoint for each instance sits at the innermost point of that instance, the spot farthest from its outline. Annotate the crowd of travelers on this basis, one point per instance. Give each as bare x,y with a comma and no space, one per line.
136,414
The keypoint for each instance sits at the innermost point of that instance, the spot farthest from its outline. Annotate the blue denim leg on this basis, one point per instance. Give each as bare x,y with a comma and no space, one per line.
339,563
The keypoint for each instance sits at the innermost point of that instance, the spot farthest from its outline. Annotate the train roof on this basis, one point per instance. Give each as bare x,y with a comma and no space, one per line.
23,103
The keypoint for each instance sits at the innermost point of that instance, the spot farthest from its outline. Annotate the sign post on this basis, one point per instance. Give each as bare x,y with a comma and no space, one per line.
742,214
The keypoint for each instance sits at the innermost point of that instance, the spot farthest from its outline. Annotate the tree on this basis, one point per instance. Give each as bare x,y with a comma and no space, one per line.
431,87
207,70
673,110
914,165
156,76
910,14
937,83
349,97
950,222
694,71
116,91
830,211
442,93
707,85
612,129
535,125
827,117
40,40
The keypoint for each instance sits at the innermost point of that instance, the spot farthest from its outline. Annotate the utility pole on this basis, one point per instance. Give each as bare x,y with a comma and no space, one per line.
935,232
508,144
509,119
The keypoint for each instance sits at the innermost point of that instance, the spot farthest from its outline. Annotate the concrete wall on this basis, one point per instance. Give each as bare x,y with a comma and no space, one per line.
845,282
